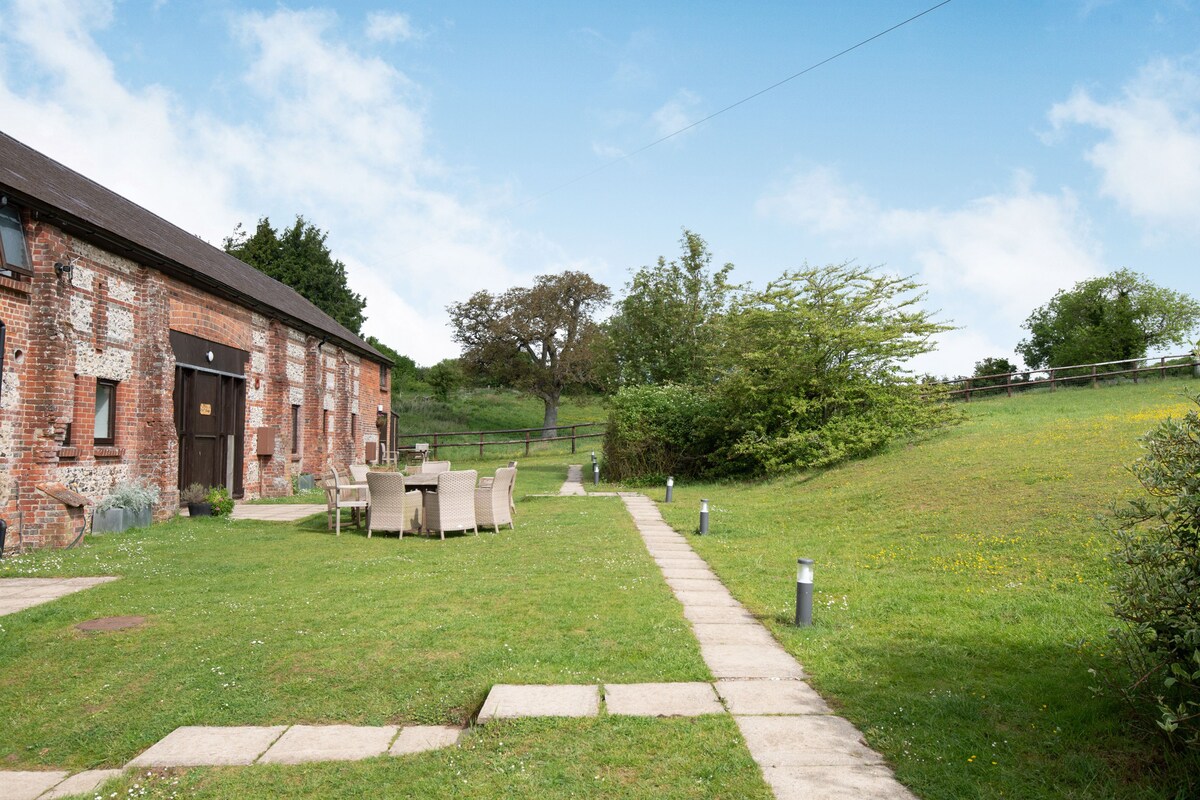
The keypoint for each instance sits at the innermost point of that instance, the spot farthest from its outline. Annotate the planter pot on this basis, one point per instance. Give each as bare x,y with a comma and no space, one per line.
113,520
200,509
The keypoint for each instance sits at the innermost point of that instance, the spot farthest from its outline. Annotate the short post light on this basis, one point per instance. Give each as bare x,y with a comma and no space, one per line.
595,473
670,487
703,517
804,590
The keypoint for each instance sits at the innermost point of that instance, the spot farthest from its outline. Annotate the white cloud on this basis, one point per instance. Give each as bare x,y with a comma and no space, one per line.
1012,250
388,26
337,136
1149,157
675,114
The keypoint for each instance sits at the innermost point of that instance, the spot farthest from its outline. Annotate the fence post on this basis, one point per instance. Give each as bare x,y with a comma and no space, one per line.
1094,376
435,447
527,444
968,395
1052,379
572,440
481,444
1162,368
1008,383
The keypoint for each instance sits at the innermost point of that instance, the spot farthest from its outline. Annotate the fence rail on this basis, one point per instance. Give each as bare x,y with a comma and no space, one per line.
480,439
1053,377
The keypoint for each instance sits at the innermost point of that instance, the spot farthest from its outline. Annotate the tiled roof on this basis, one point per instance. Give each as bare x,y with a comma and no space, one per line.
86,209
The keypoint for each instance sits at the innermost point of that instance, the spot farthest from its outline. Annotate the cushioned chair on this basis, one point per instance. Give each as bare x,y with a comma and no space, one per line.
493,502
392,508
452,506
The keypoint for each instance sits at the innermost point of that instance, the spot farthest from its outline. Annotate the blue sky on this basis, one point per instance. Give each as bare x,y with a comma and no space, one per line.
997,151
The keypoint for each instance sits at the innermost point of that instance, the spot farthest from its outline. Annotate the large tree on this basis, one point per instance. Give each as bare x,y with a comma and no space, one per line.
541,339
1116,317
299,257
663,330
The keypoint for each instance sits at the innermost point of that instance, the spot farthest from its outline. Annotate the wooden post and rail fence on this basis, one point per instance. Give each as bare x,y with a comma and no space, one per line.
481,439
1022,380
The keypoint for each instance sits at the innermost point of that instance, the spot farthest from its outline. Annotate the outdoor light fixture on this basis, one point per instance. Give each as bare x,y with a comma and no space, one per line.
703,517
595,473
804,589
209,355
380,409
670,486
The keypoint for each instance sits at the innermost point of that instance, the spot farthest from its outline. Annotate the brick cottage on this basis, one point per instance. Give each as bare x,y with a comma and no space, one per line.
134,351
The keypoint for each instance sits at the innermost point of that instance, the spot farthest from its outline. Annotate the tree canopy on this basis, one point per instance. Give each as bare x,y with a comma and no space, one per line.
1116,317
664,328
298,257
541,339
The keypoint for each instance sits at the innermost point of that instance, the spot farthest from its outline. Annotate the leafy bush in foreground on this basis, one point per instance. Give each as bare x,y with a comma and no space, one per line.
1157,589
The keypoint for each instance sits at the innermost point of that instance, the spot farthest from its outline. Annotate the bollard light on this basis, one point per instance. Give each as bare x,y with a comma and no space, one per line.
670,486
703,517
804,590
595,473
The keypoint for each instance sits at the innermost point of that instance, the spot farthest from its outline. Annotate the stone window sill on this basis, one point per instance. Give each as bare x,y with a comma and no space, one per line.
68,452
21,286
107,452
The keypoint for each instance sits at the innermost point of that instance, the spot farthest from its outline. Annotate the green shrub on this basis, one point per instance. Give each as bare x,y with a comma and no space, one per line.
656,431
1157,588
220,500
130,495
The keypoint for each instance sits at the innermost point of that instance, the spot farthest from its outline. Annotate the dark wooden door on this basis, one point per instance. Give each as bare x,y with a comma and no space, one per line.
208,416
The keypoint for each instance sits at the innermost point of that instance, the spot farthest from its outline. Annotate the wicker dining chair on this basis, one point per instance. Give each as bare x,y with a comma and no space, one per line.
487,481
493,502
452,506
392,508
338,495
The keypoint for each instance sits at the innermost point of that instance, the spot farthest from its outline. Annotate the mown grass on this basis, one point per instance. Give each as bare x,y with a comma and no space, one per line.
961,593
261,623
490,409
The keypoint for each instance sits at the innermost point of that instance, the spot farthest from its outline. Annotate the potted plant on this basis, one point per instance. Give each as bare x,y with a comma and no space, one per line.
219,499
196,498
129,505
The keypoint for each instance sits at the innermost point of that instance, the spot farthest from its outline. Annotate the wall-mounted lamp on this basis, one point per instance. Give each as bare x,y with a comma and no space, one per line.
61,269
209,356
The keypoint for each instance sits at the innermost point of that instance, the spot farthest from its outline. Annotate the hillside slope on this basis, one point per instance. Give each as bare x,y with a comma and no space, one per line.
961,592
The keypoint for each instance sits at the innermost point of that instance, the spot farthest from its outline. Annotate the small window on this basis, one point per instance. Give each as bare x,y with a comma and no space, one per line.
106,412
295,430
353,426
383,375
325,421
14,256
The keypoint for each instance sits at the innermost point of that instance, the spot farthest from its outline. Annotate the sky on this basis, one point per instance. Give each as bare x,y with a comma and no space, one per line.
998,152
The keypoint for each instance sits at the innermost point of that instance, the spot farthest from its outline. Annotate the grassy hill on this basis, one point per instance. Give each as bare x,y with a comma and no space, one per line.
961,593
490,409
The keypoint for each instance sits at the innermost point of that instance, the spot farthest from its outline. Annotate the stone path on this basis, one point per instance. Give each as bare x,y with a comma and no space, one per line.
271,512
211,746
804,751
573,485
18,594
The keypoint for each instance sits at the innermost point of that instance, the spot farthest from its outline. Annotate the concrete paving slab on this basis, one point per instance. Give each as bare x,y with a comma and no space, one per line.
710,584
28,785
726,615
680,561
507,701
770,697
805,741
195,746
713,597
302,744
18,594
276,512
419,738
82,783
744,633
835,783
661,699
687,572
749,661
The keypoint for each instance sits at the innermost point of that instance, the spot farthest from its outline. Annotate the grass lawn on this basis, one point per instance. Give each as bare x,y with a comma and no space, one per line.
961,593
261,623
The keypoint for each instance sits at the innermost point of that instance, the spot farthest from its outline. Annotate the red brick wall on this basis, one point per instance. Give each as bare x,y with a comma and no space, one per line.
111,320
